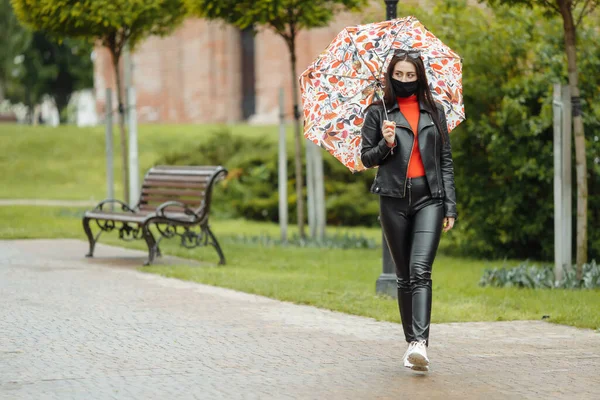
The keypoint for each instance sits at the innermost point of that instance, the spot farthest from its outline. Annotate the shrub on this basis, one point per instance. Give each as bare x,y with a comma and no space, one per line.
503,153
534,277
251,188
338,241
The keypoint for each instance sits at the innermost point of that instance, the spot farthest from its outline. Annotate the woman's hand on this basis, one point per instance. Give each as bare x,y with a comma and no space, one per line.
389,131
448,223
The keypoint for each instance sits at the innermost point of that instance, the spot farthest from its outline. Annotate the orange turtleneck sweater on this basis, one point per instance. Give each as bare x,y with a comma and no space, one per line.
409,107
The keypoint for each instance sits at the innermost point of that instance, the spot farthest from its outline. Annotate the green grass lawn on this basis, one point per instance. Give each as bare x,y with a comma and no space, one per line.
342,280
69,162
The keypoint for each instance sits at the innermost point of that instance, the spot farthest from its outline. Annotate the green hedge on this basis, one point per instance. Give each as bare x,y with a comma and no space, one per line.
534,277
251,188
502,152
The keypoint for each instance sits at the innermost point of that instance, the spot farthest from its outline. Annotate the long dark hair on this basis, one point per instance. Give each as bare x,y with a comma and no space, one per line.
424,95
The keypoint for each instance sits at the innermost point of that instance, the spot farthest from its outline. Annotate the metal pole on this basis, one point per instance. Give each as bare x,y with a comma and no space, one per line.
126,76
131,118
319,193
390,8
310,188
134,175
108,119
557,107
562,181
566,178
283,204
386,283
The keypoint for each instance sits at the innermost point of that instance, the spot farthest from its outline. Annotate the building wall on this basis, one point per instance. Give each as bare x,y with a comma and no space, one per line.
194,75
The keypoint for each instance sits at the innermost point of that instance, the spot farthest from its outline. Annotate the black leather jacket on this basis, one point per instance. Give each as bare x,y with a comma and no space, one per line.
393,162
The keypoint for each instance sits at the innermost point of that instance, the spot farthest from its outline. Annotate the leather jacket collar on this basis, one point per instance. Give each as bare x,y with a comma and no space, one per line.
425,120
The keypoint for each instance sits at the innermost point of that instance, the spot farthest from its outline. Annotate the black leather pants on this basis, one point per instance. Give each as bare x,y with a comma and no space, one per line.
412,227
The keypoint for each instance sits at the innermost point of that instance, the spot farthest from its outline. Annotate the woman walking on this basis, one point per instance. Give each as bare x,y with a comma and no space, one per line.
407,138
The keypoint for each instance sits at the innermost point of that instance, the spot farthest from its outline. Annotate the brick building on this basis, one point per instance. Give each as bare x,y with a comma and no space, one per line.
209,72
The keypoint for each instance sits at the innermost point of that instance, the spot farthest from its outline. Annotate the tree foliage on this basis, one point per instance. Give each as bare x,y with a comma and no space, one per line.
286,18
13,41
109,22
50,68
572,13
112,23
503,151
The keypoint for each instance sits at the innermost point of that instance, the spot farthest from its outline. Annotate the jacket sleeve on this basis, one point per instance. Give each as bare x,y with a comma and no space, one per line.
374,148
447,171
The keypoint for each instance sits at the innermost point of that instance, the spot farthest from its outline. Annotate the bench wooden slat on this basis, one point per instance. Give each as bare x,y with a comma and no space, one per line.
178,178
174,192
160,200
148,183
146,207
188,171
171,212
118,216
185,168
181,172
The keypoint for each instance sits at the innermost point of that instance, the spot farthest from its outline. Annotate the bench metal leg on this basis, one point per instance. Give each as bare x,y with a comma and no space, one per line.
151,242
91,239
158,252
215,243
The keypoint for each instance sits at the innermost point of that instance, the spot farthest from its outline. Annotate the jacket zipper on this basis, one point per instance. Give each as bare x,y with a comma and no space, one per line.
409,158
436,159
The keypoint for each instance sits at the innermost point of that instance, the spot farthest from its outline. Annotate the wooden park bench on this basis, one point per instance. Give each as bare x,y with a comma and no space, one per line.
174,199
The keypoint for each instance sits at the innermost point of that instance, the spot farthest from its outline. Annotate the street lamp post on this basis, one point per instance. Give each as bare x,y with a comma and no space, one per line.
390,8
386,283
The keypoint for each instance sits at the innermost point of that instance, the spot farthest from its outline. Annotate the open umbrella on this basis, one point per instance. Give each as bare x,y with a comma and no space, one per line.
349,75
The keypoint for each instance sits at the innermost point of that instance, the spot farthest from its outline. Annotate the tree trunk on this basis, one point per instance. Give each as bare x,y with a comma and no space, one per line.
30,106
578,134
124,153
61,102
298,135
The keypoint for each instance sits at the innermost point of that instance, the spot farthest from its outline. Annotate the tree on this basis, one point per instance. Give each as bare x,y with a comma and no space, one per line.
112,23
572,13
13,41
507,211
286,18
53,69
31,79
75,70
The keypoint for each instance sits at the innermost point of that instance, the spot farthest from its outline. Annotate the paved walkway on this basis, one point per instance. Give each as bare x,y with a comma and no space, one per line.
73,328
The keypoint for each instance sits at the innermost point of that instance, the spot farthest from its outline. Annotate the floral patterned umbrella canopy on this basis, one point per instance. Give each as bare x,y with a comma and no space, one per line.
349,75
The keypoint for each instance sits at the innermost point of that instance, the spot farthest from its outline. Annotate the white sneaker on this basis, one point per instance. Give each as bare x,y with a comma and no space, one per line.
410,365
405,357
417,355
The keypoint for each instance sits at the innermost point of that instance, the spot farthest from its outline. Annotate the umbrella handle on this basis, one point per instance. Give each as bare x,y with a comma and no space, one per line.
384,110
382,101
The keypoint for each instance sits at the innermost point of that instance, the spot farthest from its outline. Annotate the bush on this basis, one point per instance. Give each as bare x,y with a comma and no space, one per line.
503,152
251,188
533,277
339,241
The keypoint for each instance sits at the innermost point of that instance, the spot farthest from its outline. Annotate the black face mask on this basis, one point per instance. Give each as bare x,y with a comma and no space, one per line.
404,89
